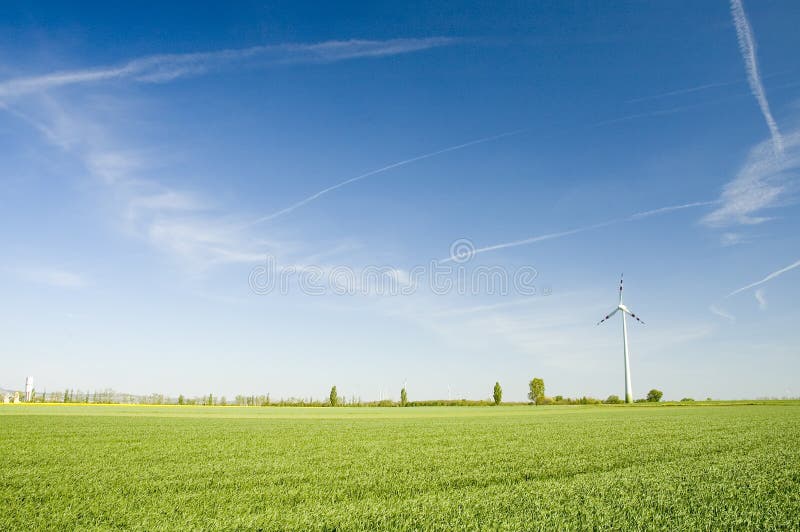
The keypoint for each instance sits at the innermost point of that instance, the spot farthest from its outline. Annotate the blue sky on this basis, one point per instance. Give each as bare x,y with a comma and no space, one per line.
154,157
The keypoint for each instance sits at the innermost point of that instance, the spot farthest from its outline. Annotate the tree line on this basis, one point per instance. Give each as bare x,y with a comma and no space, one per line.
536,396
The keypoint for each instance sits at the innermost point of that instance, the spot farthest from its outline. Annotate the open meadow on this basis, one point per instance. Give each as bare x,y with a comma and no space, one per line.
518,467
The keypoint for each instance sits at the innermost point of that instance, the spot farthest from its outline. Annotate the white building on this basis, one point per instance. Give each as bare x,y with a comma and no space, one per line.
28,389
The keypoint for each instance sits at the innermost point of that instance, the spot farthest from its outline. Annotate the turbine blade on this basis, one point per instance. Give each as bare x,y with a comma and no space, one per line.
634,316
608,316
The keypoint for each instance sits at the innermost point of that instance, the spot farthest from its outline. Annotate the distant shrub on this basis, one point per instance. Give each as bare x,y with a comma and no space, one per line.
299,401
687,400
251,400
654,396
544,400
453,402
613,400
588,401
561,400
640,400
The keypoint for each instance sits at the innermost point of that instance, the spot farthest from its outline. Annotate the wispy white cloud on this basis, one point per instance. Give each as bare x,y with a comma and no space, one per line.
533,327
769,277
561,234
476,309
167,67
763,182
52,277
386,168
175,222
747,46
549,331
200,242
761,298
111,165
167,200
732,239
722,313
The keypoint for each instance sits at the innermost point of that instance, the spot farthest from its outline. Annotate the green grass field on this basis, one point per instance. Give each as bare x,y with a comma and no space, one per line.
666,467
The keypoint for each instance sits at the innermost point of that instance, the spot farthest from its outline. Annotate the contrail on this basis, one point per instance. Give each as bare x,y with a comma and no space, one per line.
698,88
324,191
765,279
671,208
669,111
747,46
551,236
532,240
722,313
687,90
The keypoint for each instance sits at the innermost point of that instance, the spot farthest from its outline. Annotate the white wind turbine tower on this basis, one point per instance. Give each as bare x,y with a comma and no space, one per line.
625,310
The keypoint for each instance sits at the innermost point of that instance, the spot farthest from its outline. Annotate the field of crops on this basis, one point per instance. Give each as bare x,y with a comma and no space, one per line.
167,468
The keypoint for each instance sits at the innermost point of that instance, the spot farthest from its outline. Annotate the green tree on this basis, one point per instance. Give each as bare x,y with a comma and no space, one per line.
403,397
654,396
613,400
181,399
536,393
334,397
498,393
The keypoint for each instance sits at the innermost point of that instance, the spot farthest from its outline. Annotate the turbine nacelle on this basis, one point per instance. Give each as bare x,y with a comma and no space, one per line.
621,307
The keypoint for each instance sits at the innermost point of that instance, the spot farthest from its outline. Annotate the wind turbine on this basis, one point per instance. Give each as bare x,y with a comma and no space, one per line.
625,310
